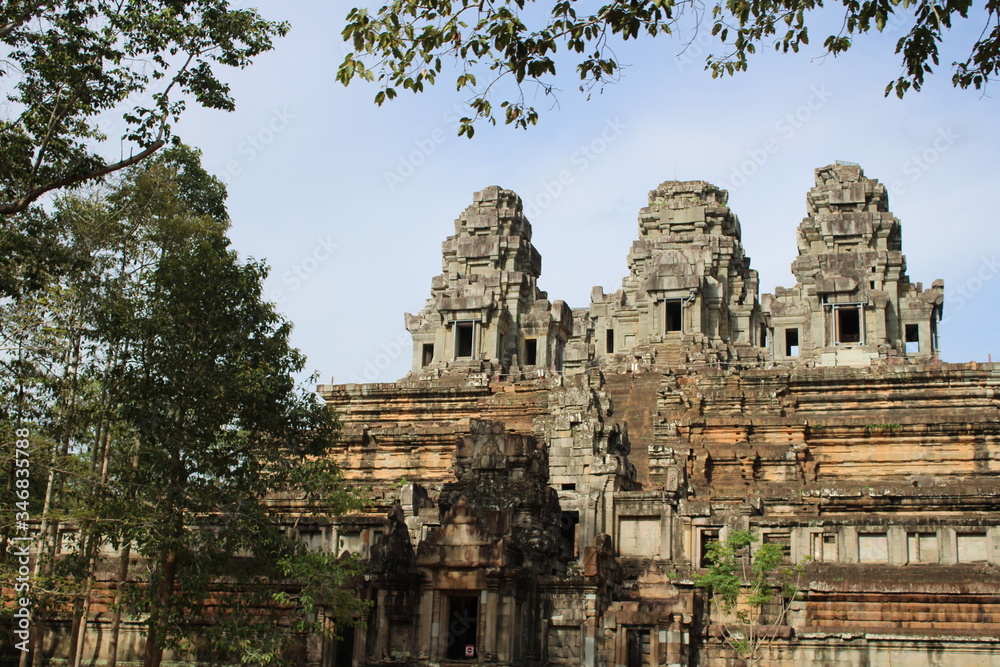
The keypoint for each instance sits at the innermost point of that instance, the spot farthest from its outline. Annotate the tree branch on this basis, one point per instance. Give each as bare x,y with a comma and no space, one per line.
30,197
9,27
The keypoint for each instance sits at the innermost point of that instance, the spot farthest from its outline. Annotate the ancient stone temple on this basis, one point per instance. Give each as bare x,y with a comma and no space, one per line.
545,482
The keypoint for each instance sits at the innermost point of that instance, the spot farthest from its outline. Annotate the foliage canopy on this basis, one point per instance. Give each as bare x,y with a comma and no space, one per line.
406,44
67,66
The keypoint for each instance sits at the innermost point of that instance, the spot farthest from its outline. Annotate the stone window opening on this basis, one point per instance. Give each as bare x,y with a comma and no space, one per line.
609,341
922,547
792,342
465,338
971,547
826,548
912,338
463,622
674,310
314,538
873,548
763,336
784,542
569,521
427,355
848,324
639,536
530,351
705,536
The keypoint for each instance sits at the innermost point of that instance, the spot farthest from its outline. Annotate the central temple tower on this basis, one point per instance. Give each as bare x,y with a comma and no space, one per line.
690,292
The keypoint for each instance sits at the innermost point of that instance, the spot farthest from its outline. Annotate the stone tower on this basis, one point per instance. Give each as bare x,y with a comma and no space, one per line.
853,303
485,310
690,291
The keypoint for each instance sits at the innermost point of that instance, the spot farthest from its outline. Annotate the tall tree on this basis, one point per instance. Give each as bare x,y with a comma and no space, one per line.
67,62
164,384
407,43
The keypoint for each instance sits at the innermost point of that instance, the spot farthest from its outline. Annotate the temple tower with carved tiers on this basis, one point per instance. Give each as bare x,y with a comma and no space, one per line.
486,311
853,303
547,482
690,293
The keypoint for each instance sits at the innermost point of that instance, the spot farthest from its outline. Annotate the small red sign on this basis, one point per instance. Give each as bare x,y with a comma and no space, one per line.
470,650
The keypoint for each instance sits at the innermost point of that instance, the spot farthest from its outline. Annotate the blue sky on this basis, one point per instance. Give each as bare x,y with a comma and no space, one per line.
349,202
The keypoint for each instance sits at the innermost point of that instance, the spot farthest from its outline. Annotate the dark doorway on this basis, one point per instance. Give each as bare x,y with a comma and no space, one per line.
674,310
791,342
912,338
344,648
464,333
567,526
463,617
428,354
849,325
609,344
638,647
530,351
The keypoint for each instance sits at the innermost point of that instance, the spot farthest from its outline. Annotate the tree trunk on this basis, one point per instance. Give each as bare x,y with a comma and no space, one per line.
81,607
124,557
154,652
74,632
53,488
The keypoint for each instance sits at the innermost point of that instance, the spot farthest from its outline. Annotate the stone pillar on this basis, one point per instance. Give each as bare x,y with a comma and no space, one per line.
382,631
533,626
437,621
424,622
492,620
489,342
590,635
621,647
505,624
666,532
695,307
675,652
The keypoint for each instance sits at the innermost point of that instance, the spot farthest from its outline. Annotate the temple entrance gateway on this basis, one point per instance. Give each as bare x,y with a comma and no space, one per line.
463,620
